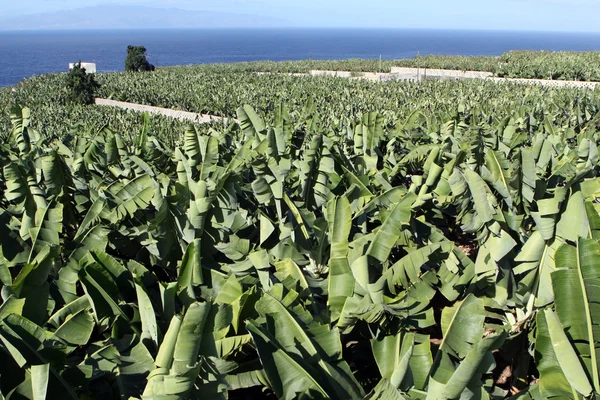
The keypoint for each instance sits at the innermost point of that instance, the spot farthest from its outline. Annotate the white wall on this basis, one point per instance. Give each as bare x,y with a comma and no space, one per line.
90,68
442,73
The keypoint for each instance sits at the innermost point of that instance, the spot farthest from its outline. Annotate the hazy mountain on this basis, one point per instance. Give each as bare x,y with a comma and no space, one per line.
137,17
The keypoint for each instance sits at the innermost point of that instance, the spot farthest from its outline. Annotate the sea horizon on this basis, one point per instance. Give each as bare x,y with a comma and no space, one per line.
31,52
305,28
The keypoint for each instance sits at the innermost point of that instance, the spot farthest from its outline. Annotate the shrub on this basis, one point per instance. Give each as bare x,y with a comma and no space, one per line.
81,85
136,59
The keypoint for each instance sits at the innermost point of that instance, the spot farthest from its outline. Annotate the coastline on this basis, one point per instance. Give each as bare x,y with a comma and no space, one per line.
27,53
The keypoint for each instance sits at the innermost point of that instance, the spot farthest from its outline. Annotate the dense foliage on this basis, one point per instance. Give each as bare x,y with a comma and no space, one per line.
190,89
482,63
81,85
53,114
385,241
356,65
555,65
136,60
577,66
584,66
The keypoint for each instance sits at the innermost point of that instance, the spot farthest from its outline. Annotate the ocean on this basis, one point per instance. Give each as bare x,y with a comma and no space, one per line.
23,54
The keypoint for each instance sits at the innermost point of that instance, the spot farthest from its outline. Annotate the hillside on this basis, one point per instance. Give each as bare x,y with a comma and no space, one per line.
137,17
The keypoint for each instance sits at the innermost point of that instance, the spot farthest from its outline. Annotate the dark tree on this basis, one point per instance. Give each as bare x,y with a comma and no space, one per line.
81,85
136,59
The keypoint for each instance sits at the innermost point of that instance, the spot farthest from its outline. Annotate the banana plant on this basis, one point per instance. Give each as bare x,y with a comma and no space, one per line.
566,346
339,239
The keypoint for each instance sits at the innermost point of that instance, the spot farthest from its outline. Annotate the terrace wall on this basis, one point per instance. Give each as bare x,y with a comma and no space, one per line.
340,74
441,73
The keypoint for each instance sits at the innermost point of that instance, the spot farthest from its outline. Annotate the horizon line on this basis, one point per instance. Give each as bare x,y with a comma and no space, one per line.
499,30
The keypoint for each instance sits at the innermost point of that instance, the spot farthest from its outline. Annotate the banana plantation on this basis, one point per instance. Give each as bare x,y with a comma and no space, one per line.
556,65
354,240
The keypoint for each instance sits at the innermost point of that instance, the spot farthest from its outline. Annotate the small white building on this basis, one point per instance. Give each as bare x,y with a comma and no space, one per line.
90,68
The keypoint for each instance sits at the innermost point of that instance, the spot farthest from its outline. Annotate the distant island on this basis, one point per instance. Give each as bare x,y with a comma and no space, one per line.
137,17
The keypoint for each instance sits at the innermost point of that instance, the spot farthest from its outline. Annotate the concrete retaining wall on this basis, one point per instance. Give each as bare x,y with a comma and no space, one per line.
371,76
340,74
407,74
549,83
419,74
181,115
442,73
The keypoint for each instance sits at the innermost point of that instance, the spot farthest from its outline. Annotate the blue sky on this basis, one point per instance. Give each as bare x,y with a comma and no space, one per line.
559,15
